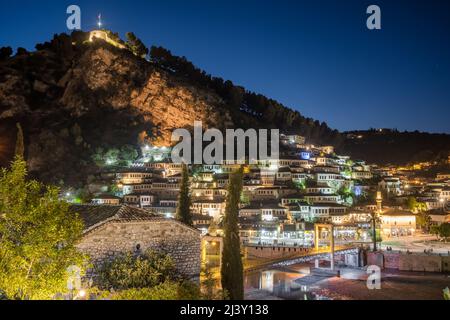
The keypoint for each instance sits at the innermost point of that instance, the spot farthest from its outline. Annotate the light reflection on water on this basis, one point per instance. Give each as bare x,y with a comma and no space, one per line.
278,283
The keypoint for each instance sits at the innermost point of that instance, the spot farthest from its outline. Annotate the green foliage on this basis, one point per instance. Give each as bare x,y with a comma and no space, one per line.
434,229
347,194
210,291
37,237
83,196
128,154
232,268
423,220
98,157
136,45
444,231
446,293
184,199
245,199
167,290
300,185
114,156
416,206
148,276
130,271
374,232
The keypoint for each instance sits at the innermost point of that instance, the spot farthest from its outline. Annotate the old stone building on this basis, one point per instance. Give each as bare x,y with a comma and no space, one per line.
112,230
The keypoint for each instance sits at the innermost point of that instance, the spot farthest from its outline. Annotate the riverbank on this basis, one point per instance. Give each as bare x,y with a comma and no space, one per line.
276,283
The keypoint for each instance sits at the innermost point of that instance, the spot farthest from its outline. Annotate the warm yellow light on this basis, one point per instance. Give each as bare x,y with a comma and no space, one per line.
82,293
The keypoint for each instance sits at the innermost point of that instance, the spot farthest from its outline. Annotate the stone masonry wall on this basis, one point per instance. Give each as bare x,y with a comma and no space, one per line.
182,243
273,252
408,262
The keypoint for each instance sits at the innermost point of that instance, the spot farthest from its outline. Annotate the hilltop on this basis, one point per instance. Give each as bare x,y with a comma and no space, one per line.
75,97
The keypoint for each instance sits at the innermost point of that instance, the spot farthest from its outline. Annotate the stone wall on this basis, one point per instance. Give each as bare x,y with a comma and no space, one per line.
414,262
391,260
446,264
273,252
409,262
182,243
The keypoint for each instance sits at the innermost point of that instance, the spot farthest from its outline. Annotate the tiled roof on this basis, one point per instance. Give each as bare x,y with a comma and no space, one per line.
396,212
96,215
295,205
107,196
293,196
312,194
264,204
328,205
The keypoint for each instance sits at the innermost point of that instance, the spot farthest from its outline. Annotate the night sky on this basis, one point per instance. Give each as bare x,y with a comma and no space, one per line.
314,56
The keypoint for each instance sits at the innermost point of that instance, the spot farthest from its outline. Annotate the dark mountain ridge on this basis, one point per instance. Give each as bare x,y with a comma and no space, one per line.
74,96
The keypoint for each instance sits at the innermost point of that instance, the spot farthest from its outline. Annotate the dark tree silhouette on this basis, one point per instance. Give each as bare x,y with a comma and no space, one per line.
136,45
5,53
184,199
20,148
232,268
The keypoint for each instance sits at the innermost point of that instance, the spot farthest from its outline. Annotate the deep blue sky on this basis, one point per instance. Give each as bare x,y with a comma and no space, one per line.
315,56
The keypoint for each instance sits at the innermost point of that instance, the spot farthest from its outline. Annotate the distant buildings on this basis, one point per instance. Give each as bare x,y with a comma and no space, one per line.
282,199
391,186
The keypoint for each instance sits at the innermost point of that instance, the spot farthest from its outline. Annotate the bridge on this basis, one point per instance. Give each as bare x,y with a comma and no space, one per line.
321,254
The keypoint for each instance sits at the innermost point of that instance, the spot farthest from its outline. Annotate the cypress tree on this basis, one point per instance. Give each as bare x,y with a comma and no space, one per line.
184,199
232,271
20,148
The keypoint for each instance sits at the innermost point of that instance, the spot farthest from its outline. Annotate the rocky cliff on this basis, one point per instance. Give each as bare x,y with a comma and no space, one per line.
72,99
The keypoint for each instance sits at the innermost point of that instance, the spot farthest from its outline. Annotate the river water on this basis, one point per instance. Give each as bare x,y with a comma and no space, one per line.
275,283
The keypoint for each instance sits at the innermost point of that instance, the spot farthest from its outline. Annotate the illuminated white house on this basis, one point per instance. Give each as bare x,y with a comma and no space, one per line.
139,200
391,185
397,223
106,199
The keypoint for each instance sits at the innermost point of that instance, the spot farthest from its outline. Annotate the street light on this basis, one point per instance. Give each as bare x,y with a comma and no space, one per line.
82,293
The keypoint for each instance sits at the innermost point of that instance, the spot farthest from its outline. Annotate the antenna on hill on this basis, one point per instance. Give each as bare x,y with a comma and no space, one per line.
99,20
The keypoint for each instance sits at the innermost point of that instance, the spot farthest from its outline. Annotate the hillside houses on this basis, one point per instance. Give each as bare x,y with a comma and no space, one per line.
307,184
